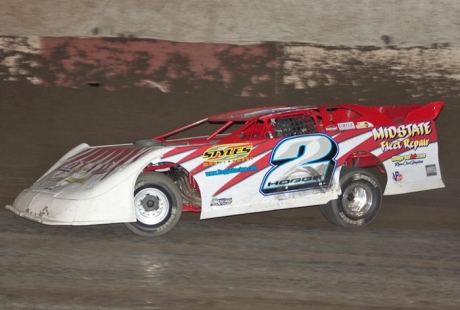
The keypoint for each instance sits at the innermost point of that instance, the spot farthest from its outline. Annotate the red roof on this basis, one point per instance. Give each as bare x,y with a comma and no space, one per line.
245,114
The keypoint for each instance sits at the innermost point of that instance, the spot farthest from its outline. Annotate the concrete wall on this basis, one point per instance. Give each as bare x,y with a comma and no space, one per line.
256,70
328,22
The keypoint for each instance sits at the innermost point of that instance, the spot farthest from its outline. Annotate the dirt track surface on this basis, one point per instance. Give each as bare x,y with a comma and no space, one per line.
407,259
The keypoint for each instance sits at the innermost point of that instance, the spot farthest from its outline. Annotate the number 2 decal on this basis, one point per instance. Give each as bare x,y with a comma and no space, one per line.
301,163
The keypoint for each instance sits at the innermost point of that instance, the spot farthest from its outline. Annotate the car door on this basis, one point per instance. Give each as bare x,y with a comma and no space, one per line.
292,163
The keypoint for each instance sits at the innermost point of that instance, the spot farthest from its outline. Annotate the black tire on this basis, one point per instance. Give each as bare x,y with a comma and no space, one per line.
158,205
147,143
360,201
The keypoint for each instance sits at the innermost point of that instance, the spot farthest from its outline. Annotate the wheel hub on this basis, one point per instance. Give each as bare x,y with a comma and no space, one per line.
357,200
152,206
150,203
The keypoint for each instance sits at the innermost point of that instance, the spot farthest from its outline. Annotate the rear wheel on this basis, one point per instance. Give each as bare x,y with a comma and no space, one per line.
360,201
157,203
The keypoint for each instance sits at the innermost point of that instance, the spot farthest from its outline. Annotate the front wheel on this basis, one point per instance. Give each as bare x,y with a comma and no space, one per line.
157,203
360,201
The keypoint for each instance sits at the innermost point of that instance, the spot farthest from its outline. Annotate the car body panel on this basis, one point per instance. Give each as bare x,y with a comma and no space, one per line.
281,157
93,186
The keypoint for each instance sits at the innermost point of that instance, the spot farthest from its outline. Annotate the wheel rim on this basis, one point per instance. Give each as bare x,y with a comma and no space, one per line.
357,199
152,206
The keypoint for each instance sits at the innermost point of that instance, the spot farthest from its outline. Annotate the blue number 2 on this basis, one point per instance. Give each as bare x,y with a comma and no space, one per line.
301,163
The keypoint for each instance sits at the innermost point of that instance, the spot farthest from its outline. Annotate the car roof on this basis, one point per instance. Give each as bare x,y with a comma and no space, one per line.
246,114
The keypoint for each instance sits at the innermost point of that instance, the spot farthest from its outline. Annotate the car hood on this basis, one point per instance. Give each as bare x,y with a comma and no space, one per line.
85,169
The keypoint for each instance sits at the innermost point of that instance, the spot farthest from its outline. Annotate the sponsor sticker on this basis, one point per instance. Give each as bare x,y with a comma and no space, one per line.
227,153
397,176
431,170
221,201
346,126
361,125
410,136
230,170
331,128
408,160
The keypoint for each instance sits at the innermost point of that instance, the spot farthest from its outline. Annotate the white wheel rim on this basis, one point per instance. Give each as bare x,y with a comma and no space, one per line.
357,199
152,206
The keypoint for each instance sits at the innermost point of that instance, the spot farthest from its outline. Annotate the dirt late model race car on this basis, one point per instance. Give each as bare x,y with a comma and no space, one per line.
253,160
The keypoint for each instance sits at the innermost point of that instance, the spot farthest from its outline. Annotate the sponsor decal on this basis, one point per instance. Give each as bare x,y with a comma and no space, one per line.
221,201
404,133
83,171
406,143
331,128
68,180
346,126
230,170
361,125
297,181
76,180
397,176
407,160
227,153
431,170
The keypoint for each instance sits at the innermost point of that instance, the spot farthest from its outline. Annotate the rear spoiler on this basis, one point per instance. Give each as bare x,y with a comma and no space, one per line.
426,112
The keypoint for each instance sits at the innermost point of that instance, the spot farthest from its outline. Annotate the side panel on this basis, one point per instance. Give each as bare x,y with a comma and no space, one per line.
409,153
413,171
244,178
304,170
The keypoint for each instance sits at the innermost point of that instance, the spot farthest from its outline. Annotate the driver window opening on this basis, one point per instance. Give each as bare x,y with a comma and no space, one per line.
294,125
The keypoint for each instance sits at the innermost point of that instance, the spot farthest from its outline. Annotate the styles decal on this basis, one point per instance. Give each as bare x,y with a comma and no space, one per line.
227,153
404,134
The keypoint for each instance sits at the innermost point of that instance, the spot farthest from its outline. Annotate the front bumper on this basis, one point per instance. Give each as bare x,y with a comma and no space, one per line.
48,209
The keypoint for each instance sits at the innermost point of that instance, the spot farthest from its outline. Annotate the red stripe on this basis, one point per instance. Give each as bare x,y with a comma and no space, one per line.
345,135
197,153
79,156
261,164
178,150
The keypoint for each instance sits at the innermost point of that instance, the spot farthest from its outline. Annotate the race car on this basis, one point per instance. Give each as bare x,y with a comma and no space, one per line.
246,161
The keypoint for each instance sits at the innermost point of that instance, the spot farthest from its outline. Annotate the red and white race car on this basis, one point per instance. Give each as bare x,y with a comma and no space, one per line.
253,160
